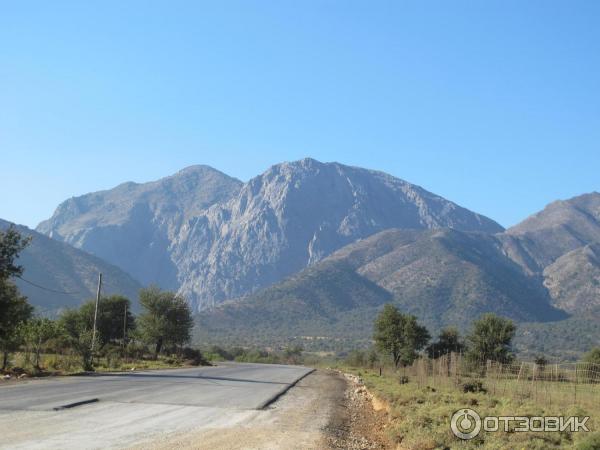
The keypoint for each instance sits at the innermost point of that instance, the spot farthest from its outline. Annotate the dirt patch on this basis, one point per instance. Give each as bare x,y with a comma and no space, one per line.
357,425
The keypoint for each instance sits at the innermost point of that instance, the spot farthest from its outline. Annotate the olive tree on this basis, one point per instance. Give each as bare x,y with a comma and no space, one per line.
111,322
399,335
448,341
491,339
166,319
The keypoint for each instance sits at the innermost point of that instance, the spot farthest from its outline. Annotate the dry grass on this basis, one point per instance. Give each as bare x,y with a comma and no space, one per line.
420,409
68,364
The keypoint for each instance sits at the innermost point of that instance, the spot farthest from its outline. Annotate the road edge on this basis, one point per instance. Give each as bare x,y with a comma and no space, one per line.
265,404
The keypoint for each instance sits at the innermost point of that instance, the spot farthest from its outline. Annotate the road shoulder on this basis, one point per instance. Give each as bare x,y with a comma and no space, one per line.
320,412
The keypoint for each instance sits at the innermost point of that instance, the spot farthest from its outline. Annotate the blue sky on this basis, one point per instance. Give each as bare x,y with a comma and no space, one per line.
492,104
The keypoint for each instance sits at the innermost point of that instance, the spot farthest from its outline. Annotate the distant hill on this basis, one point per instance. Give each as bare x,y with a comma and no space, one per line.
239,238
59,267
562,244
559,228
560,340
444,277
574,279
326,301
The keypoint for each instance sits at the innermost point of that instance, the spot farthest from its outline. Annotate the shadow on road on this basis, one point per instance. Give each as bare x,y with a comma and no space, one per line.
196,377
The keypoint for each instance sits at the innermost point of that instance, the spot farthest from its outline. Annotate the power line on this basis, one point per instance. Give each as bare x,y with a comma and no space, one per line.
113,286
45,288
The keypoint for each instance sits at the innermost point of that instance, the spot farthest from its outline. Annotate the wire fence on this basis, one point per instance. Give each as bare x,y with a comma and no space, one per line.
560,384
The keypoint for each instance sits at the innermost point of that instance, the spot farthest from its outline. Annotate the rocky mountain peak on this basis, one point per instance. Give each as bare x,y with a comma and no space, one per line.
295,214
136,222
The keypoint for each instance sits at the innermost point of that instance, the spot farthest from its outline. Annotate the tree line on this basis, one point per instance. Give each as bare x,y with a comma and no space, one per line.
400,337
163,326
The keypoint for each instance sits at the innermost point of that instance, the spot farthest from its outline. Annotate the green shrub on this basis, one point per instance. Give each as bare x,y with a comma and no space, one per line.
220,354
592,442
473,386
194,357
356,358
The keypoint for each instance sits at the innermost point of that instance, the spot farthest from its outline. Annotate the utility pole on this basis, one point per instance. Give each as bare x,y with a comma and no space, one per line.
96,309
125,333
125,326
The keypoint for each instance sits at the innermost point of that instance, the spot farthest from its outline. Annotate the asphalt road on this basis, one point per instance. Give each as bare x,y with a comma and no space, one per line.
133,405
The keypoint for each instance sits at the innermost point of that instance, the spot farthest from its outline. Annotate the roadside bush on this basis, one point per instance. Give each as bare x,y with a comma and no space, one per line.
356,358
136,350
593,356
213,357
237,352
292,354
473,386
193,357
258,356
220,353
36,335
53,362
113,355
372,358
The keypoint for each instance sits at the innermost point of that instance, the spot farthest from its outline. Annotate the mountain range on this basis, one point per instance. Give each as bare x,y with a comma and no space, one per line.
312,250
237,238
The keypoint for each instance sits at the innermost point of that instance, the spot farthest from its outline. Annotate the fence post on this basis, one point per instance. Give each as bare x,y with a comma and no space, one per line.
575,385
557,379
498,376
533,385
461,367
433,364
519,379
453,367
520,371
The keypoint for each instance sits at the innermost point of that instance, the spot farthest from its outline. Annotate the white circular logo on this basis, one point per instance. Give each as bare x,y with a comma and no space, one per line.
465,424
